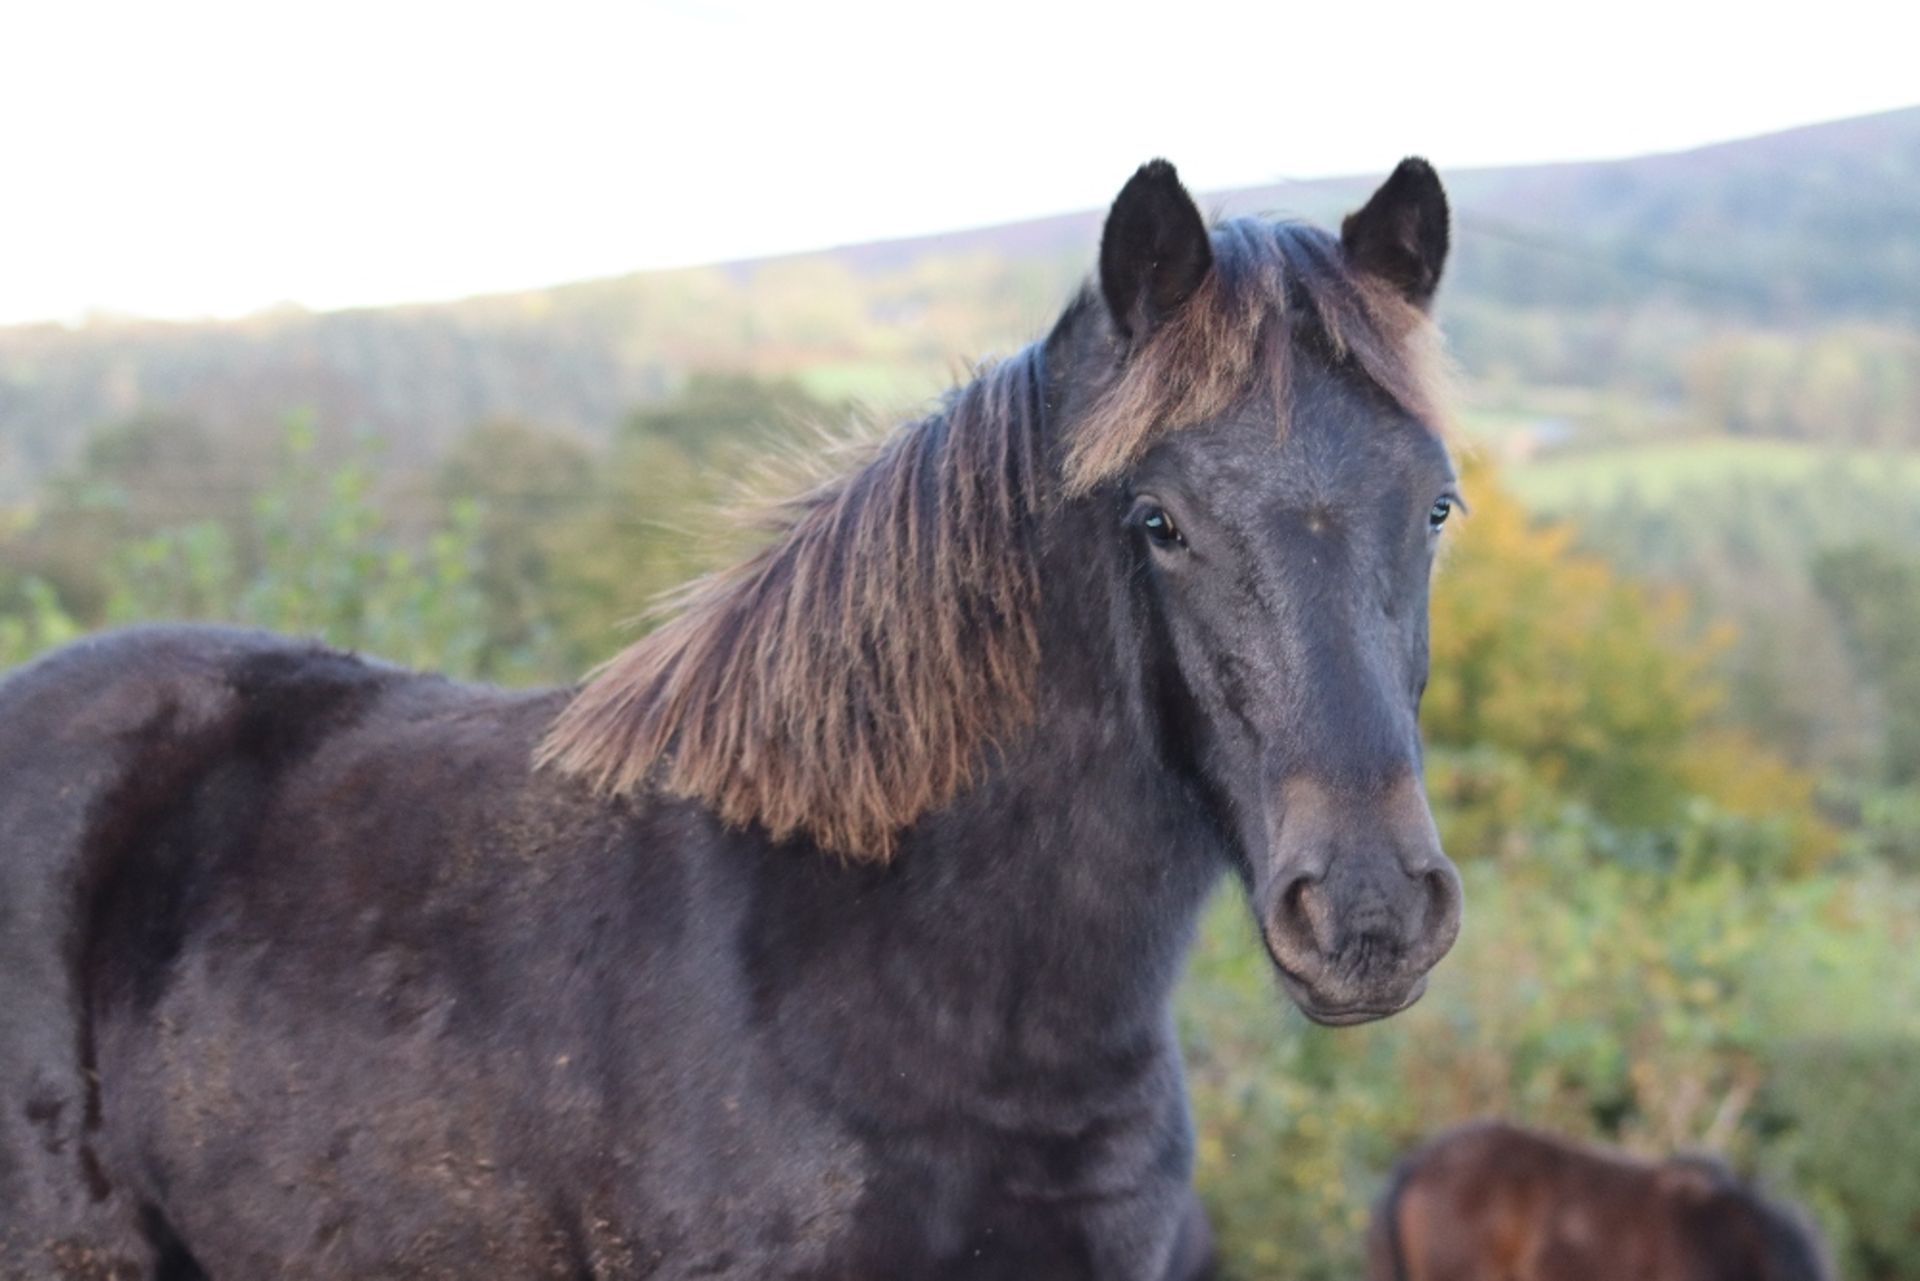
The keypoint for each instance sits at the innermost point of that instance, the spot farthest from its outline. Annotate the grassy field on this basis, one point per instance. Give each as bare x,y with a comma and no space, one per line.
1572,479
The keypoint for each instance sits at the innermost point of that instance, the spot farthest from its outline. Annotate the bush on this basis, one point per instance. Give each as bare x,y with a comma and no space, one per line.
1650,995
33,624
1844,1114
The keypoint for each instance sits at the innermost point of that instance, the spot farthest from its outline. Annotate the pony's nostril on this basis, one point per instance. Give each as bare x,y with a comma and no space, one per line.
1443,909
1304,921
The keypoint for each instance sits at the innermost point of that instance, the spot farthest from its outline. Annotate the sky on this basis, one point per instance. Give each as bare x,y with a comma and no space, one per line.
201,158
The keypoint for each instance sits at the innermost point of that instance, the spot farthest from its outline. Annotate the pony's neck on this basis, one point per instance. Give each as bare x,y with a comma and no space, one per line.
1080,853
1074,871
1079,864
1021,947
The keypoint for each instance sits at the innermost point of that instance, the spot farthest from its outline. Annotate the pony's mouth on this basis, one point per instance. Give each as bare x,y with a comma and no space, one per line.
1347,1015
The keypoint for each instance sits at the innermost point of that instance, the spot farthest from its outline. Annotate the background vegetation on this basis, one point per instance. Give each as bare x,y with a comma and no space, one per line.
1675,708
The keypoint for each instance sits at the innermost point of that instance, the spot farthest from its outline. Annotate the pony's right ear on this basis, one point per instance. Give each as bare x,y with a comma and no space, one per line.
1692,1178
1154,252
1400,235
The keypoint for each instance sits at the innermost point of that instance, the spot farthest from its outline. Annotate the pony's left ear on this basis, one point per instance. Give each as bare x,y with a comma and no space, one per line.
1154,252
1400,235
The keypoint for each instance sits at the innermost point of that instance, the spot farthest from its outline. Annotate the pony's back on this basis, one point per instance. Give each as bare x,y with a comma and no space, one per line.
1465,1205
1492,1199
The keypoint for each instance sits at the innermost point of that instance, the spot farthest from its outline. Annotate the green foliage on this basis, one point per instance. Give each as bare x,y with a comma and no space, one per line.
716,410
1889,826
1876,592
1663,476
653,513
34,622
135,477
1855,384
526,559
1844,1112
329,565
1658,1004
1553,672
525,496
1747,526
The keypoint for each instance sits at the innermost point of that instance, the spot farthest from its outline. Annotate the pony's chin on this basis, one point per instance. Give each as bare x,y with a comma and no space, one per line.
1348,1015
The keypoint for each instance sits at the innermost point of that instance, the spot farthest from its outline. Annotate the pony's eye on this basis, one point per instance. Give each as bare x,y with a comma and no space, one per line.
1438,513
1160,527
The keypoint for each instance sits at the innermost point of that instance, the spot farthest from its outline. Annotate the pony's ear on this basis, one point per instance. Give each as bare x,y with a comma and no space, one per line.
1400,234
1692,1178
1154,252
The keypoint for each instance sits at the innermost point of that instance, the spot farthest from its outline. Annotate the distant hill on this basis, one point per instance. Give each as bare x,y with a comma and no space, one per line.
1565,274
1816,222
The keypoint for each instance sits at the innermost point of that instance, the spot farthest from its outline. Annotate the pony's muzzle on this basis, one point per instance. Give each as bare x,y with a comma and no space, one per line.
1358,902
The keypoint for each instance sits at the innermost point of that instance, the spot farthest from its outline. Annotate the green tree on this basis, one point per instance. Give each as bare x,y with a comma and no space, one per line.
716,411
1876,590
1593,686
534,494
332,566
134,478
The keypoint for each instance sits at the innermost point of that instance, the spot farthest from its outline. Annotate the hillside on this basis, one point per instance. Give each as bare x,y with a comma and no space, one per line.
1810,223
1609,277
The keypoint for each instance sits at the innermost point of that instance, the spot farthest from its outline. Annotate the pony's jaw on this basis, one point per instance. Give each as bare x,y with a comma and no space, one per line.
1348,1016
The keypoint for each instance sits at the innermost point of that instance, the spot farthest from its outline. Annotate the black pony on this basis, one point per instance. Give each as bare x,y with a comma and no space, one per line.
830,930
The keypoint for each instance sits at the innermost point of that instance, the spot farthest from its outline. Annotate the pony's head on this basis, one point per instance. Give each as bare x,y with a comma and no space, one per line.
1257,417
1734,1231
1232,439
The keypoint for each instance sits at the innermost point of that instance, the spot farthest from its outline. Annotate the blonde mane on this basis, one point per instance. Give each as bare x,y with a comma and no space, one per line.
851,676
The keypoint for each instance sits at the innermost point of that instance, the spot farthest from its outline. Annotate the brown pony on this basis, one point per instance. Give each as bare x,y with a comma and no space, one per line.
1495,1202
